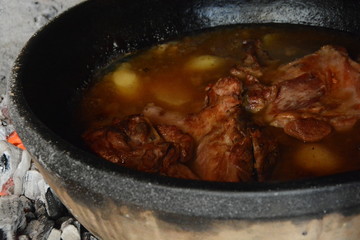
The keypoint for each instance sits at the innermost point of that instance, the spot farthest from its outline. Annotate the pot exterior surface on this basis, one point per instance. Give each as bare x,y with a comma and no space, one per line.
118,203
114,221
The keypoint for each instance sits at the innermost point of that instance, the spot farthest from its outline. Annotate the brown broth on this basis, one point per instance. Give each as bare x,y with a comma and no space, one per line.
165,75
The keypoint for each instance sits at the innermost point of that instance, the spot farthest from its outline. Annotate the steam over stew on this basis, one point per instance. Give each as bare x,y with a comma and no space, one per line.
250,103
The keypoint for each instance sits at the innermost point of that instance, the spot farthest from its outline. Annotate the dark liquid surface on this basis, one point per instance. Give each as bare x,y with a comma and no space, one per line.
174,75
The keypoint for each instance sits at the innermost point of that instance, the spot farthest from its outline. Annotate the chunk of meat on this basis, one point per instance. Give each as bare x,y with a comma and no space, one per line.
225,145
265,151
222,100
135,143
308,129
258,95
255,63
227,148
310,96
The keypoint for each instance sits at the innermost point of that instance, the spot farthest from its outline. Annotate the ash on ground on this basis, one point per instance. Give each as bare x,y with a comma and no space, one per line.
29,209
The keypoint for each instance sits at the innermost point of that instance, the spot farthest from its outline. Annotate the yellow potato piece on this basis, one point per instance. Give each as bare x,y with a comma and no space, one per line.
271,39
291,51
204,62
126,81
175,95
318,159
172,97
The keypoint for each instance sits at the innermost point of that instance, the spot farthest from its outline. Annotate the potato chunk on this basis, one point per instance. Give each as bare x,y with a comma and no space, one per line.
317,159
126,81
271,39
175,95
204,62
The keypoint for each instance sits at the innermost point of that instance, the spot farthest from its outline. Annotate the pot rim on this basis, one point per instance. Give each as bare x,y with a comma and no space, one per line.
67,164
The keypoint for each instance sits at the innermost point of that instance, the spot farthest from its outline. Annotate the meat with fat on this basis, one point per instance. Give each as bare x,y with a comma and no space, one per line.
309,97
229,147
136,143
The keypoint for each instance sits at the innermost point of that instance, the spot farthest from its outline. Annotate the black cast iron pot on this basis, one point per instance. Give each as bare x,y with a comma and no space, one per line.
118,203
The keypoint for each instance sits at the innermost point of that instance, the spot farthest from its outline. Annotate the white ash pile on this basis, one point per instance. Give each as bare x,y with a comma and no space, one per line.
28,207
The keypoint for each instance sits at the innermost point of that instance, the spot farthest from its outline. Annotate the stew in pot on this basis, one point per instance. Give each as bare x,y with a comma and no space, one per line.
238,104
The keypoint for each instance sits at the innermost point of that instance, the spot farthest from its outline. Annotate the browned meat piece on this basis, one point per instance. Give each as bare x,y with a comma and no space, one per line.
310,96
258,95
226,145
298,93
265,153
254,61
135,143
308,129
184,144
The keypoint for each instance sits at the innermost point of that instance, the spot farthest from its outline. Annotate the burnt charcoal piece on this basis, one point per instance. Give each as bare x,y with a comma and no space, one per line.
40,209
54,207
12,214
4,162
64,220
39,229
88,236
2,235
30,216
